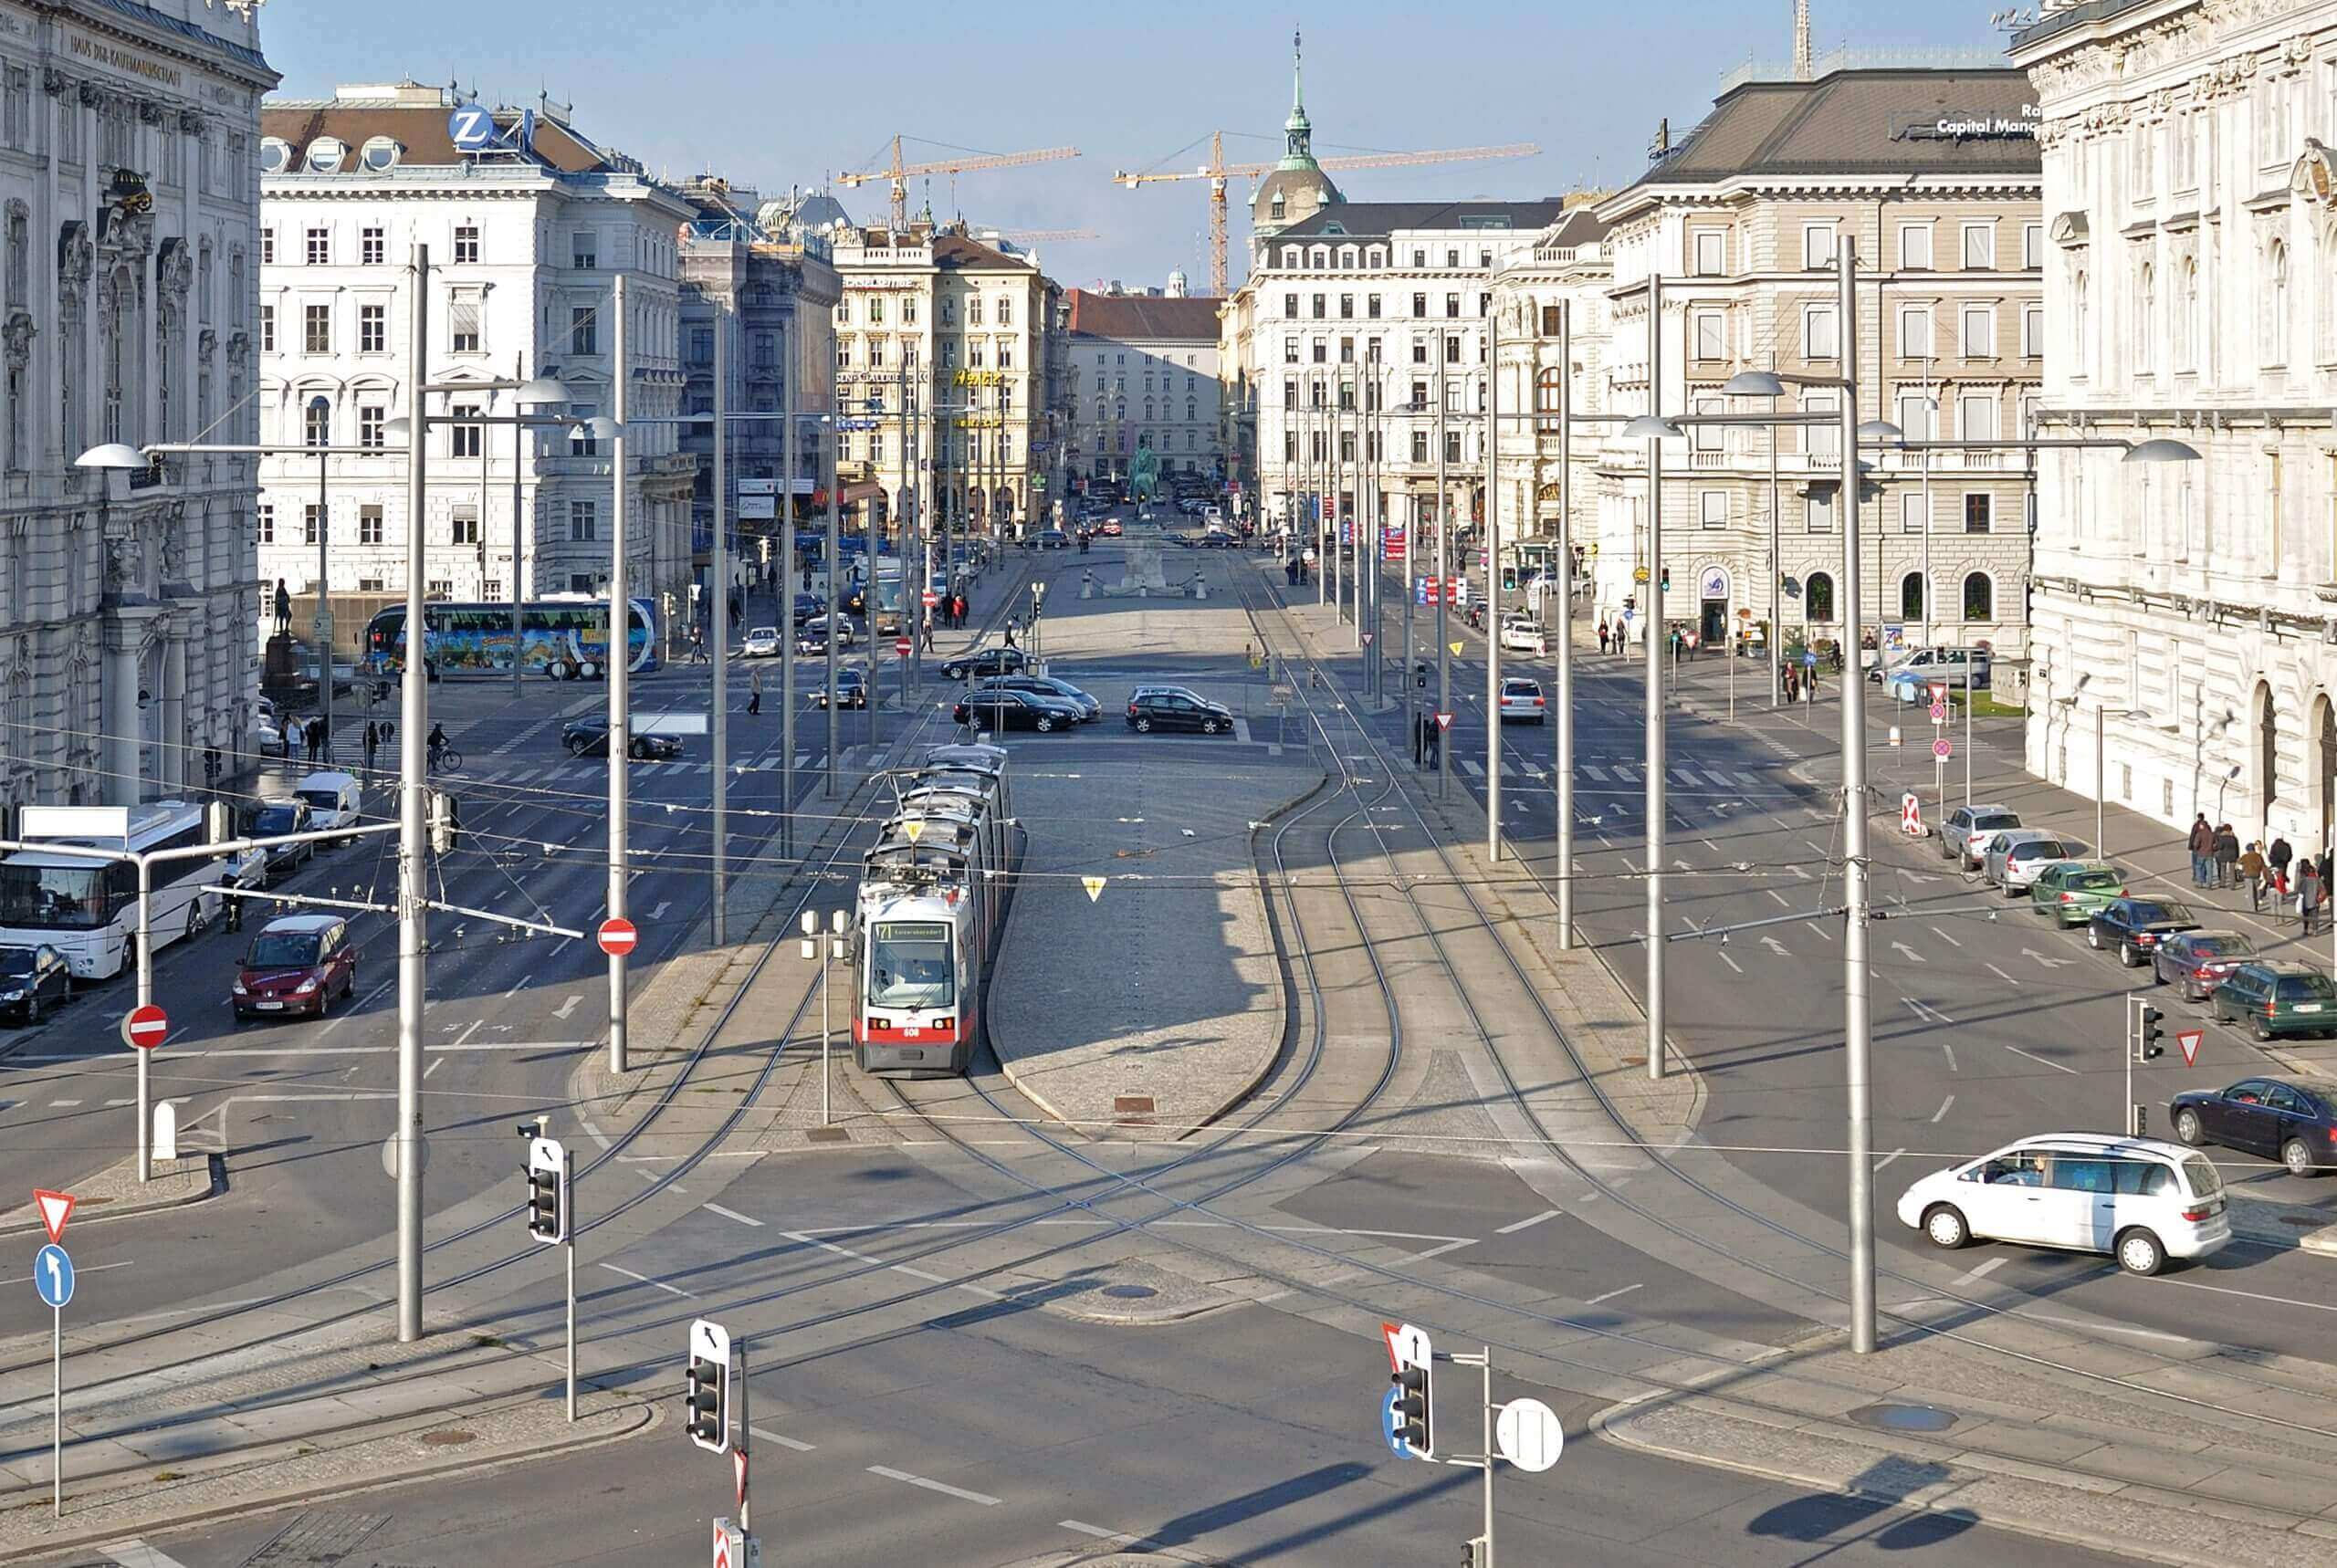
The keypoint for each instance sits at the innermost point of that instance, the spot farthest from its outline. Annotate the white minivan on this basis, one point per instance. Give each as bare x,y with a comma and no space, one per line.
334,800
2137,1199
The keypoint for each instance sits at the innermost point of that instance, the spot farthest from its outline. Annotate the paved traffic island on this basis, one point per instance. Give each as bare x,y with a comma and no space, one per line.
1152,1004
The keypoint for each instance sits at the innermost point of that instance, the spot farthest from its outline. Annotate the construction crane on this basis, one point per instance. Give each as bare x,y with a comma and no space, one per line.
1217,171
1042,237
900,174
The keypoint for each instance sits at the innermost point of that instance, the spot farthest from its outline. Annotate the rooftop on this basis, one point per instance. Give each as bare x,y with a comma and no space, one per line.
415,116
1129,316
1382,218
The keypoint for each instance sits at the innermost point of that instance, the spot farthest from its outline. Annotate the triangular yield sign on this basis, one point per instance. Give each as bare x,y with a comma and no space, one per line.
1094,886
913,829
56,1208
1444,721
739,1463
1389,1332
1456,650
2190,1040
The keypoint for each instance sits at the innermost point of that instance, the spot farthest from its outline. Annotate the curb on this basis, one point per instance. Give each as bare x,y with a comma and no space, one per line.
2265,1224
218,1188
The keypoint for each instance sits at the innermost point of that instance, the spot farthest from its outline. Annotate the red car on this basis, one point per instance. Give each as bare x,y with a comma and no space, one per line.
1111,529
296,965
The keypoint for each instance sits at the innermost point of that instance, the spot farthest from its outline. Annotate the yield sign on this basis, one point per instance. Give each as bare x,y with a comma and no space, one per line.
739,1463
55,1207
1444,721
2188,1039
1094,886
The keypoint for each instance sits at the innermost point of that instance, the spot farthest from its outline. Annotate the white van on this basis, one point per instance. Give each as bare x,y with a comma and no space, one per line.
2137,1199
334,800
1922,667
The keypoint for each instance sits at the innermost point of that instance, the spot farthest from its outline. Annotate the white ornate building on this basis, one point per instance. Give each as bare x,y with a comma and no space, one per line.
2192,285
1551,302
1143,376
130,209
524,241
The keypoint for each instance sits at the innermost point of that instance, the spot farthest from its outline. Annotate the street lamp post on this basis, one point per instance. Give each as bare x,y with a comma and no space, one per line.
620,672
413,837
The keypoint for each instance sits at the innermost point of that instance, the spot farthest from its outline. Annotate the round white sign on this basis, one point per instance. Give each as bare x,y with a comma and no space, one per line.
1528,1435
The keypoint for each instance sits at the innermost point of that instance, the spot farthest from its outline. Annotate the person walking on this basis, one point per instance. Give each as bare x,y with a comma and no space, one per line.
2278,857
373,743
2227,856
1435,742
2323,869
2252,871
2203,849
1419,740
755,692
288,737
1602,634
2310,895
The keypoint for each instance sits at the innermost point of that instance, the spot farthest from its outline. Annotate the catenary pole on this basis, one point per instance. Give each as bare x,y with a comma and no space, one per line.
1443,586
1857,1014
619,662
1565,716
414,840
1655,652
792,360
720,582
1493,588
835,468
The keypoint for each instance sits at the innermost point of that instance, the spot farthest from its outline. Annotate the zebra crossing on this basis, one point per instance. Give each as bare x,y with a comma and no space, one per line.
579,769
1728,781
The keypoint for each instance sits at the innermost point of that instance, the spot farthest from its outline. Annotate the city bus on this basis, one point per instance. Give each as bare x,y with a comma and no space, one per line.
88,909
565,636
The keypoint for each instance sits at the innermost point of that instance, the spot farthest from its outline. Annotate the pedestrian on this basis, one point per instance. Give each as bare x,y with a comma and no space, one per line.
1435,743
1790,679
291,737
2252,871
964,610
1419,740
2310,894
755,692
1691,639
1602,634
2203,849
320,737
2278,857
1809,683
389,732
373,743
2227,856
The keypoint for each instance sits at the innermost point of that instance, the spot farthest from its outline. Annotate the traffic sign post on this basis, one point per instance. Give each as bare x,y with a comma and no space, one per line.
53,1279
1526,1432
617,936
900,647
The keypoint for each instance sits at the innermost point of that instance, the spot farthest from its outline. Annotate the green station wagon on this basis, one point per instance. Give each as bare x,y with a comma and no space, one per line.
2278,996
2072,893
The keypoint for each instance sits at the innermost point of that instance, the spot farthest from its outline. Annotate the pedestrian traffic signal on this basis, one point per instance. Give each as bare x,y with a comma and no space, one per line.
707,1417
548,1202
1666,583
2151,1041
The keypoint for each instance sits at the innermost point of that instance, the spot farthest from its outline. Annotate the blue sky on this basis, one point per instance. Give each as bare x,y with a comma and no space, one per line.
772,95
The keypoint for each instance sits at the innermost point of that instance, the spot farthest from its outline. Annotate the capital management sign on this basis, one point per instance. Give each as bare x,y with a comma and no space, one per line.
1967,125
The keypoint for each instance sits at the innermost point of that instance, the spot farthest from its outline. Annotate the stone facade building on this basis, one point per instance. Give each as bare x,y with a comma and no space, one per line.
1143,375
1549,297
1935,174
2190,608
130,209
524,237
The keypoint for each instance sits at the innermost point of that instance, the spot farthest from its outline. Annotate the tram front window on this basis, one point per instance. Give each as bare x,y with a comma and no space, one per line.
909,966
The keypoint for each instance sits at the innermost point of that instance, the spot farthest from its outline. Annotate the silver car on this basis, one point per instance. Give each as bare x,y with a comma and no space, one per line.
2016,855
1965,833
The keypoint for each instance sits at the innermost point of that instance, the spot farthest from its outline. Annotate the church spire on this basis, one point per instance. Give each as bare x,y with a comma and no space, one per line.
1298,133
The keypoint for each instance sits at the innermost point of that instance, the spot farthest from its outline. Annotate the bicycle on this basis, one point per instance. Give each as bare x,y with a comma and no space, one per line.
445,759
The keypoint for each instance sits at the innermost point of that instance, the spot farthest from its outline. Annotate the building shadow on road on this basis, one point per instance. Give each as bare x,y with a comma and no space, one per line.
1870,1511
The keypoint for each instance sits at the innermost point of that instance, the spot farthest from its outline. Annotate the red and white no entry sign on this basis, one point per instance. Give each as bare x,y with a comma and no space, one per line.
617,936
900,647
931,598
145,1026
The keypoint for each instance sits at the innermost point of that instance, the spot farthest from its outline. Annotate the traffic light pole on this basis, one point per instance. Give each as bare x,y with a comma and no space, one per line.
567,1186
1485,1362
746,1464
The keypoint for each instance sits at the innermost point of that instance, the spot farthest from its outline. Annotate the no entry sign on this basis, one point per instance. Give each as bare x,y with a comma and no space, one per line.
145,1026
617,936
900,647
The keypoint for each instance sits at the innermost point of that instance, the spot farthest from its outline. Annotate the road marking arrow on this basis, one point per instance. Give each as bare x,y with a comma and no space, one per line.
566,1007
1908,953
1775,946
2048,963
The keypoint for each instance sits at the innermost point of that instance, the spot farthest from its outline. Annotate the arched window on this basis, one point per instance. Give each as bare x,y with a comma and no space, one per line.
1980,597
2276,303
1911,597
1818,594
2268,749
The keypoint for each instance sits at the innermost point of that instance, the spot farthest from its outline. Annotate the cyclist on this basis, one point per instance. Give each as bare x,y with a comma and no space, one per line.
438,744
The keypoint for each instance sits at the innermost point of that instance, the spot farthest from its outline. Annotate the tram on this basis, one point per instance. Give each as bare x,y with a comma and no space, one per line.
930,911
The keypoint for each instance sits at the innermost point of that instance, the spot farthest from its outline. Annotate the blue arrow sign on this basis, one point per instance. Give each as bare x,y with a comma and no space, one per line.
1810,661
1387,1426
53,1275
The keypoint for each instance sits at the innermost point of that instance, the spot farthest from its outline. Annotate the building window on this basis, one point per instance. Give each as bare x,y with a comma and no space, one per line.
267,530
2032,331
464,527
1451,446
1419,446
369,525
320,247
439,588
583,329
1979,247
1712,508
1979,513
312,520
584,251
1911,597
1711,247
372,328
1979,332
1914,512
583,521
1452,350
1346,307
371,244
1915,415
464,440
316,423
2145,319
1980,597
2276,304
1452,306
371,585
1817,513
1976,413
1710,335
1914,331
372,424
582,444
1818,593
2032,248
317,329
1819,340
266,240
1371,307
1289,307
465,244
464,308
267,329
1914,247
1816,246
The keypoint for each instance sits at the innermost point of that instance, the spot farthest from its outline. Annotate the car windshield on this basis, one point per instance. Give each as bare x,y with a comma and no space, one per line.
2155,914
67,897
2221,945
282,950
2205,1181
324,800
15,960
2040,850
909,966
1988,821
273,820
1519,689
2092,880
2306,988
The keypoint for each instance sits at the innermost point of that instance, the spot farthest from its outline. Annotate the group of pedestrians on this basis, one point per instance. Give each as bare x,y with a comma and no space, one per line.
1427,742
312,735
1798,681
953,611
2300,883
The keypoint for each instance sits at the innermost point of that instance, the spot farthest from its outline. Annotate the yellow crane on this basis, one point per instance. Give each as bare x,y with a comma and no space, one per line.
900,174
1217,171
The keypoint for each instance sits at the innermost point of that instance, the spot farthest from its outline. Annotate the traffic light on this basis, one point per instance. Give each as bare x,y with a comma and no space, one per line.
1509,579
2151,1041
1413,1421
708,1393
1666,583
547,1202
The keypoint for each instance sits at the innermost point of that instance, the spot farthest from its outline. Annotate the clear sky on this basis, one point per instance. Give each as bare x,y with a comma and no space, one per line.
772,95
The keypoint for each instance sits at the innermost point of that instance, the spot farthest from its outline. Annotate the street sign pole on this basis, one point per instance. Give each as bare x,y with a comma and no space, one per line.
567,1186
746,1470
618,674
146,998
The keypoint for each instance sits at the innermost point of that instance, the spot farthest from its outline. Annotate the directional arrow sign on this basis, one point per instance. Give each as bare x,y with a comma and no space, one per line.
2190,1039
1908,953
2047,962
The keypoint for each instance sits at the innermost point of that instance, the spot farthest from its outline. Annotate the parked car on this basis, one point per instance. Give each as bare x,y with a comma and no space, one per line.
1926,667
1519,636
2070,892
335,800
984,663
2269,1116
851,689
2016,855
1173,707
2137,1199
806,606
993,708
276,819
760,642
1965,833
2276,997
1052,538
1522,701
2134,927
590,738
2196,962
297,963
32,981
813,636
1090,708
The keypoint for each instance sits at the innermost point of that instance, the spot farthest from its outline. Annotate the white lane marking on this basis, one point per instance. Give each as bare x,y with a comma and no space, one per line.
798,1444
1514,1226
62,1105
1782,900
982,1291
659,1284
138,1555
1941,1115
1888,1158
594,1133
1979,1271
1820,929
2112,1328
2257,1296
1610,1295
1945,937
112,1103
730,1213
1449,1246
83,1269
518,986
2041,1062
1731,963
2000,975
942,1486
427,1071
